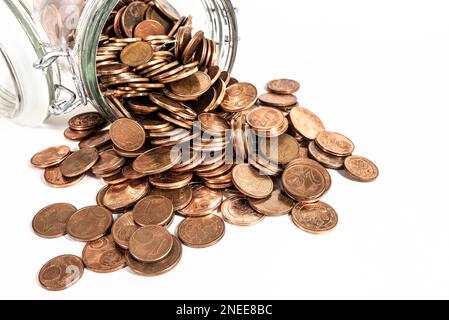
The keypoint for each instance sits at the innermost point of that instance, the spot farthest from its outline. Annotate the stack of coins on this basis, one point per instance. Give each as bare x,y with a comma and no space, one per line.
205,147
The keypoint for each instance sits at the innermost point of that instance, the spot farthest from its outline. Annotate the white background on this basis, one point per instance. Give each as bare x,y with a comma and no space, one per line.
377,71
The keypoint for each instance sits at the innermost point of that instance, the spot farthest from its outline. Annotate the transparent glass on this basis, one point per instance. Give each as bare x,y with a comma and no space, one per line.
53,26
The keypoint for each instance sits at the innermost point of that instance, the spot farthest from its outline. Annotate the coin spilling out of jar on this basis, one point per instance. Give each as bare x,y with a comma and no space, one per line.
188,140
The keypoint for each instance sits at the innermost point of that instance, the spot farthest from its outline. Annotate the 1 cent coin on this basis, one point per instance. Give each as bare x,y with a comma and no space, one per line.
79,162
86,121
278,100
248,181
283,86
361,169
61,272
201,232
153,210
204,201
137,53
239,97
150,243
192,86
51,221
237,211
306,122
326,159
128,134
150,269
122,230
335,144
157,160
121,196
277,204
103,256
180,198
316,218
54,178
50,157
89,224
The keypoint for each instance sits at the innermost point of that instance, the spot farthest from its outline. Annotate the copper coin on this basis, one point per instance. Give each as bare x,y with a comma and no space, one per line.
194,85
136,54
157,160
278,100
316,218
103,256
89,224
305,180
213,124
248,181
79,162
118,178
281,150
204,201
265,118
50,157
131,174
61,272
153,211
237,211
171,180
192,47
150,269
51,221
77,135
166,103
306,122
283,86
132,15
277,204
150,243
100,196
112,68
86,121
148,28
108,161
180,198
167,9
361,169
122,230
54,178
99,140
201,232
239,97
124,195
326,159
335,144
128,134
154,13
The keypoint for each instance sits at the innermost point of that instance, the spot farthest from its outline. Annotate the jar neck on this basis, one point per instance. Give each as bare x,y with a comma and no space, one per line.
222,30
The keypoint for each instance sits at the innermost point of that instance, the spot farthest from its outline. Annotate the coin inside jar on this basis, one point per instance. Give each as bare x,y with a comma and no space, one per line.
61,272
79,162
237,211
89,224
192,86
153,210
316,218
150,243
50,157
127,134
248,181
201,232
103,256
136,53
51,221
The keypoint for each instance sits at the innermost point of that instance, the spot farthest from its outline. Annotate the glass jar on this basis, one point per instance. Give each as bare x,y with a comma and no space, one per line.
46,73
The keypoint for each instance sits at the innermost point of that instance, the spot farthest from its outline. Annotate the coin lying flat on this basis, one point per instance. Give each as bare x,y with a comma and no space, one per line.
326,159
306,122
108,161
89,224
281,150
278,100
102,256
122,230
54,178
250,182
75,135
239,97
50,157
98,140
150,243
274,206
361,169
180,198
123,195
153,211
127,134
315,218
283,86
157,160
157,268
86,121
79,162
61,272
51,221
201,232
237,211
335,144
204,201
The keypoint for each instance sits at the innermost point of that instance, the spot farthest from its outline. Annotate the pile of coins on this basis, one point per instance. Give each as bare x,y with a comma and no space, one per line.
203,146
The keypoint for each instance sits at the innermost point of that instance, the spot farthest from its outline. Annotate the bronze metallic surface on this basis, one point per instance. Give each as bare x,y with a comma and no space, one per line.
79,162
103,256
239,97
50,157
237,211
127,134
248,181
150,244
123,195
277,204
154,210
315,218
123,228
306,122
326,159
61,272
204,201
86,121
201,232
54,178
335,144
180,198
89,224
283,86
361,169
51,221
157,160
